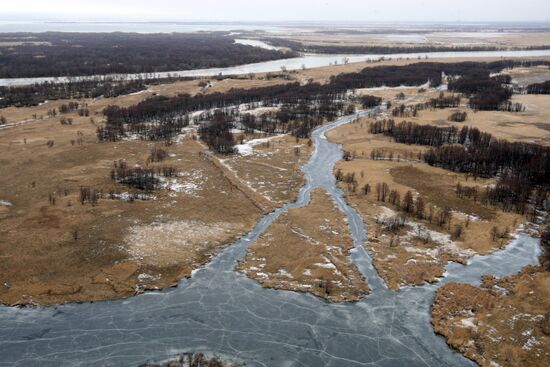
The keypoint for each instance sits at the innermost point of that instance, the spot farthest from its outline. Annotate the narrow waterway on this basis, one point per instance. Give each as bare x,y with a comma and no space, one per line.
221,311
308,61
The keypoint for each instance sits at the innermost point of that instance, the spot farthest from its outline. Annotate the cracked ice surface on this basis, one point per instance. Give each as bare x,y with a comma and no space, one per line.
223,312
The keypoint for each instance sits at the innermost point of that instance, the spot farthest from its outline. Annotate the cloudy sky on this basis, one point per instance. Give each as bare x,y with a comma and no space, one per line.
279,10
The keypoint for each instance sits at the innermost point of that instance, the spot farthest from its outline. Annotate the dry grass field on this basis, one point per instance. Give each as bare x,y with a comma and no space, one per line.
55,249
530,126
504,322
418,252
272,167
459,39
67,251
306,250
323,74
37,114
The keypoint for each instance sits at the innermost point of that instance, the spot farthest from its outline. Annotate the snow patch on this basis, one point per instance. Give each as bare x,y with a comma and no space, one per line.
469,323
247,148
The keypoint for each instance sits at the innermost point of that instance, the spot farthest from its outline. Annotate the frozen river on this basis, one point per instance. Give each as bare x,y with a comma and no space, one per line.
221,311
308,61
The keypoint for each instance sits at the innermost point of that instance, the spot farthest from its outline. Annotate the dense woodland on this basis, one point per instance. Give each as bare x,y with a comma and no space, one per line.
392,76
33,95
380,50
75,54
217,133
523,169
486,93
539,88
301,107
422,72
442,101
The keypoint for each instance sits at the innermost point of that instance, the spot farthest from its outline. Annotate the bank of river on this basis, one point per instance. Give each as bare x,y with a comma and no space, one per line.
308,61
221,311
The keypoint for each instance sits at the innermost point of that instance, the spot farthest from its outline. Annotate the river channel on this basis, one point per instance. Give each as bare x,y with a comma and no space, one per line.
221,311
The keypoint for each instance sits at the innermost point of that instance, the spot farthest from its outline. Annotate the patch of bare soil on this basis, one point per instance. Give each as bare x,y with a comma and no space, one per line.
504,322
412,248
306,250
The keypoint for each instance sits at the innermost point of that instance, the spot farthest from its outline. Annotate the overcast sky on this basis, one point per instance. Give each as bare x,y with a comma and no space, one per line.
279,10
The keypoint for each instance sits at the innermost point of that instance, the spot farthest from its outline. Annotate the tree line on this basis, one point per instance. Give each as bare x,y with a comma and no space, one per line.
323,100
408,205
539,88
411,75
302,107
384,50
442,101
486,93
523,169
34,94
217,133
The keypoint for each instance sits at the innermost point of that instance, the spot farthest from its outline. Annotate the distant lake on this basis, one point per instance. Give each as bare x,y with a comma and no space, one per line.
400,29
138,27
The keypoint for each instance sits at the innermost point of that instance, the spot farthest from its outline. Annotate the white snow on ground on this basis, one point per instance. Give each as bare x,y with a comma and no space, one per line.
469,323
464,216
284,273
247,148
256,43
443,239
386,213
360,91
137,93
259,111
326,265
22,122
189,183
185,132
188,187
520,316
5,203
530,343
145,277
175,242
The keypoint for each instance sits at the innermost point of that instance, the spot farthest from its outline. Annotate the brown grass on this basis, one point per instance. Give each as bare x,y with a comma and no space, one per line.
72,252
531,126
504,322
273,170
515,39
406,257
307,250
